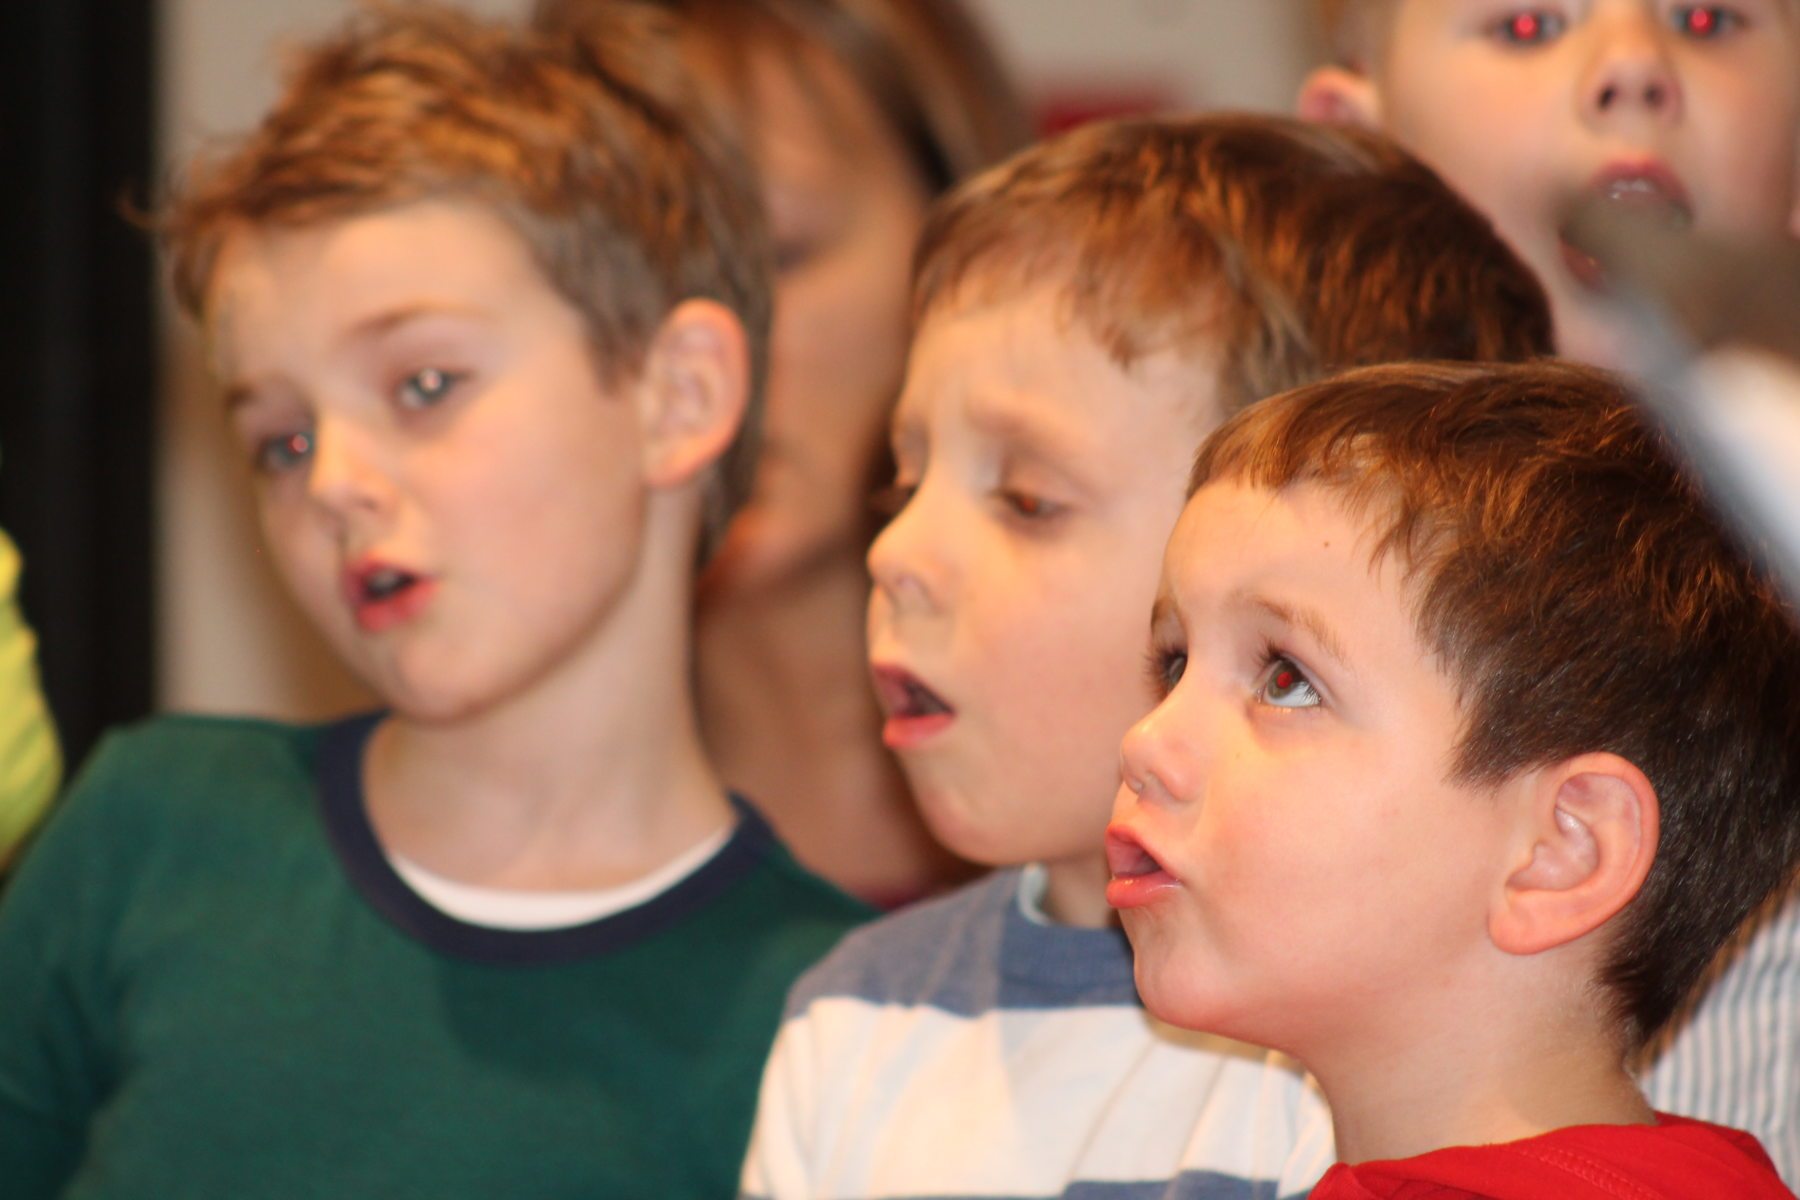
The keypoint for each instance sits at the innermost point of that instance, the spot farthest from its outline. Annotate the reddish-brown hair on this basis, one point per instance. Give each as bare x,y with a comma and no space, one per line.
592,152
925,66
1293,248
1570,580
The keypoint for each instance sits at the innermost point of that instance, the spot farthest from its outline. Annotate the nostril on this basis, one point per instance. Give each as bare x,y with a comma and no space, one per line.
1655,94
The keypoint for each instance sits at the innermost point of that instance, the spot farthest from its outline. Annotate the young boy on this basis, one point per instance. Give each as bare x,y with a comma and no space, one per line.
489,329
1478,738
1693,110
1083,315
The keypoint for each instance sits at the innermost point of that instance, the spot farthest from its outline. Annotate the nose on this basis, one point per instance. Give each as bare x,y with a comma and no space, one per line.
1630,72
344,475
1158,759
909,560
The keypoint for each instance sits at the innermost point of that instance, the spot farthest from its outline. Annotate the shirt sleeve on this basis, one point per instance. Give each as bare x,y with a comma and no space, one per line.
779,1163
55,1001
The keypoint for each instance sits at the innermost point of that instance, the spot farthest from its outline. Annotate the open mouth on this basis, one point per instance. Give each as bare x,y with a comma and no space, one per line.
1649,189
1137,876
382,595
914,711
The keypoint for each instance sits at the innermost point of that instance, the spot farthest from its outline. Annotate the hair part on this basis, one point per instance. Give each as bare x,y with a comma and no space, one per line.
1571,581
592,150
1282,249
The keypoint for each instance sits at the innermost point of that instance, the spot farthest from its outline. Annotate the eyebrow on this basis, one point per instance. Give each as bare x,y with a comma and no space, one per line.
1012,422
369,329
1303,619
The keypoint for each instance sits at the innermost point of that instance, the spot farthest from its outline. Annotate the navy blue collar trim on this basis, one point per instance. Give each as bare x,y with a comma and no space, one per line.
338,769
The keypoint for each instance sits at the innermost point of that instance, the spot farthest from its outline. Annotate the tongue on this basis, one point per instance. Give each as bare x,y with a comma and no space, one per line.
921,701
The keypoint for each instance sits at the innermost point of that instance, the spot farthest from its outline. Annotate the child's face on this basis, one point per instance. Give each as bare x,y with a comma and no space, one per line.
1006,627
1694,108
443,482
1287,854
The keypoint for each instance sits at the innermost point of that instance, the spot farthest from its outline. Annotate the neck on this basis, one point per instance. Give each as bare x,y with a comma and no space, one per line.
787,713
1075,891
1494,1072
589,776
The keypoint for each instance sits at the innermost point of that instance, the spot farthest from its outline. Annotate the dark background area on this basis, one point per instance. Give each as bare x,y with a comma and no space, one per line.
77,407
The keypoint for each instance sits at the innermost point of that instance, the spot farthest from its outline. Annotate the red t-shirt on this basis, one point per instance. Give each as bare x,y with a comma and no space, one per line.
1675,1159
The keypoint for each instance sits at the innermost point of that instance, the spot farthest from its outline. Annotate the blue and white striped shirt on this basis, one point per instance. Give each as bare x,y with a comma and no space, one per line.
961,1049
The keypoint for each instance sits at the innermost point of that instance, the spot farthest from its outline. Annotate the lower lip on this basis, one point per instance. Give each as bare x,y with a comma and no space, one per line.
1135,891
378,616
903,733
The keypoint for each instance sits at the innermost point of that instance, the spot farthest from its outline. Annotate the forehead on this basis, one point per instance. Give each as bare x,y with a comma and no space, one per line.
1303,540
309,282
1021,361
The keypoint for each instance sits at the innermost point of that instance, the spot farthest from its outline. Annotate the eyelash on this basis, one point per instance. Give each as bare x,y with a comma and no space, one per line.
1528,27
282,453
1274,660
1028,507
1164,667
1717,19
427,388
886,502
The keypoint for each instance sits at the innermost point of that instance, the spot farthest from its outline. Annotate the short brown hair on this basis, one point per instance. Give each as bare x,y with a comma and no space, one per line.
1295,248
591,152
1571,581
928,71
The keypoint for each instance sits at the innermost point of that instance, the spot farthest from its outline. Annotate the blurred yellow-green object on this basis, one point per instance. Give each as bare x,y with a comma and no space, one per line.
30,764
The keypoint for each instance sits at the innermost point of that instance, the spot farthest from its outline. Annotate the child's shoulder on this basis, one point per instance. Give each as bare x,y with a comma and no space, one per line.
167,752
170,769
975,951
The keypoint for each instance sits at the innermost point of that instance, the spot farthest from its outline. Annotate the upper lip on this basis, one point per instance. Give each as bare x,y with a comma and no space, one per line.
903,693
1127,855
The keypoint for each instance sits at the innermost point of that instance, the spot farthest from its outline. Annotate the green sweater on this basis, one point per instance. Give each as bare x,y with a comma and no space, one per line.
213,984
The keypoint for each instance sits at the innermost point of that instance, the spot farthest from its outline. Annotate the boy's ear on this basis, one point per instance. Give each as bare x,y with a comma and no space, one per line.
692,391
1589,838
1339,95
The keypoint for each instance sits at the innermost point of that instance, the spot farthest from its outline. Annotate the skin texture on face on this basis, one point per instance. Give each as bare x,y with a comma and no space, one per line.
444,484
1041,480
1317,879
1692,108
845,206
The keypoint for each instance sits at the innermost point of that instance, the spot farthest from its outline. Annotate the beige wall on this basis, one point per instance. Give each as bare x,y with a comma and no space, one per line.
229,641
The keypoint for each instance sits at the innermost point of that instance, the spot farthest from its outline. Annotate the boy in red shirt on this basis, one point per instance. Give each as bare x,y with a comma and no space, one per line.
1478,738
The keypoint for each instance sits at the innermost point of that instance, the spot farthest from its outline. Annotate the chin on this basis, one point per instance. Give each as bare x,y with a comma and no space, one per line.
959,828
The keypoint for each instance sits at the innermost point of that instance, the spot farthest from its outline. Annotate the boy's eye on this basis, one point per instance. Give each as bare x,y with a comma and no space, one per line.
791,254
1530,27
888,501
1166,666
1029,505
278,455
1704,20
423,389
1285,686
